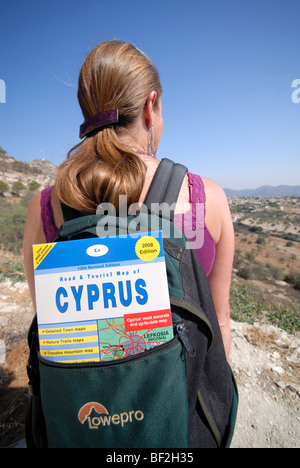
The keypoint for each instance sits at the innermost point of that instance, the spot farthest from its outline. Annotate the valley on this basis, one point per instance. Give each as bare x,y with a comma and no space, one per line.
264,300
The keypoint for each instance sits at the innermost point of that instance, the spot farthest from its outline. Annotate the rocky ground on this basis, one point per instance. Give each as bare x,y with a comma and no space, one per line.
265,361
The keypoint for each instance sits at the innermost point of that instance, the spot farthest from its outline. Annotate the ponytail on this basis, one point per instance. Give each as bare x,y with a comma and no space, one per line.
97,171
115,75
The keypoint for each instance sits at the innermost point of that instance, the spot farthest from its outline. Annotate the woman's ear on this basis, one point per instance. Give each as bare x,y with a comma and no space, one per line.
148,109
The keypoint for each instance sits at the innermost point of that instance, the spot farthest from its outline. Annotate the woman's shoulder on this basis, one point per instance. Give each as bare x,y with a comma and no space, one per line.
212,189
216,206
35,204
44,209
39,202
40,197
37,207
33,228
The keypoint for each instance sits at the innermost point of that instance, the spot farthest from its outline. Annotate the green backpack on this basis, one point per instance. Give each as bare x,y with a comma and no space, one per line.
181,394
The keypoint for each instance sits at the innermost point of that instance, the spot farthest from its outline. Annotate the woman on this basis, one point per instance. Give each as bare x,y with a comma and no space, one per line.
120,96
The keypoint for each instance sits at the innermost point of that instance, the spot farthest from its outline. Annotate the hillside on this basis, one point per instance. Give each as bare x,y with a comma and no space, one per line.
17,177
265,306
266,191
265,360
19,181
267,256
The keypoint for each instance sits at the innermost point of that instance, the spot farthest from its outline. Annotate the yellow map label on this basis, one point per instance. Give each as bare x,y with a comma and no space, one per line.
40,251
68,352
147,248
68,341
62,330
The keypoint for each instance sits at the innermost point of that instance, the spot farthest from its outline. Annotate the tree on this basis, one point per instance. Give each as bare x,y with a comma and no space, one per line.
33,185
18,186
3,186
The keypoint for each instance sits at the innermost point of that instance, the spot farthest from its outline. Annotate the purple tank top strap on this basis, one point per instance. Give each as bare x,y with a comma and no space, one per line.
50,229
196,186
206,253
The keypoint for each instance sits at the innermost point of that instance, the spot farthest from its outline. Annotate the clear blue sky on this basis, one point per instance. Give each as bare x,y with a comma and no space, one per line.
226,67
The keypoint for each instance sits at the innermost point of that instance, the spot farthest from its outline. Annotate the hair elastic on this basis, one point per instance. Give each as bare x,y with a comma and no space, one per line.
98,121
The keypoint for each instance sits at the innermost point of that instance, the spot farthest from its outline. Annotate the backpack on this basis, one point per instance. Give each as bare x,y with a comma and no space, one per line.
181,394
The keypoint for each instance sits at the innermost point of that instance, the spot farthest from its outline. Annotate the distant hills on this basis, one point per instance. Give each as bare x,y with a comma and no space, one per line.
44,172
267,191
17,176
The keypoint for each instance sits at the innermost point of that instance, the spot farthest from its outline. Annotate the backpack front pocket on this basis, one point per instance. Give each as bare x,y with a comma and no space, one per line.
135,402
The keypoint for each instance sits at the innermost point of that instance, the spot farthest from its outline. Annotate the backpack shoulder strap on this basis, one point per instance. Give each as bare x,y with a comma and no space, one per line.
166,184
69,213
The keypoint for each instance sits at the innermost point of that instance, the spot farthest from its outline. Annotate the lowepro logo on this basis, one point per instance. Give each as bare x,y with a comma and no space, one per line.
104,418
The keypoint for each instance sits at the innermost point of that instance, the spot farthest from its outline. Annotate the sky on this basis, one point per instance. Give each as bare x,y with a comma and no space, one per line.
230,72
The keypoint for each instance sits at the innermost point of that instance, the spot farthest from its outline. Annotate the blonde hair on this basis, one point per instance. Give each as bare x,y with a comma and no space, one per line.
115,75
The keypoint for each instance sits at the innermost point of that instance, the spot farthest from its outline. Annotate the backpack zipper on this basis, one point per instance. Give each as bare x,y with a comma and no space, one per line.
180,334
184,338
111,363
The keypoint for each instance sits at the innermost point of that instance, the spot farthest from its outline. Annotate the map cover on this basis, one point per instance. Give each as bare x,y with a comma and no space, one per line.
101,299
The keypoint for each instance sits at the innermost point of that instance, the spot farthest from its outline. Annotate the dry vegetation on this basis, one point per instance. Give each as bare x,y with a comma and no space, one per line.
267,261
265,287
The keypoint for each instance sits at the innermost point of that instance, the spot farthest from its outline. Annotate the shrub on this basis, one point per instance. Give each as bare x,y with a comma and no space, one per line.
12,222
274,272
247,305
33,185
244,272
3,186
261,241
294,279
287,318
244,304
18,186
12,269
250,256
